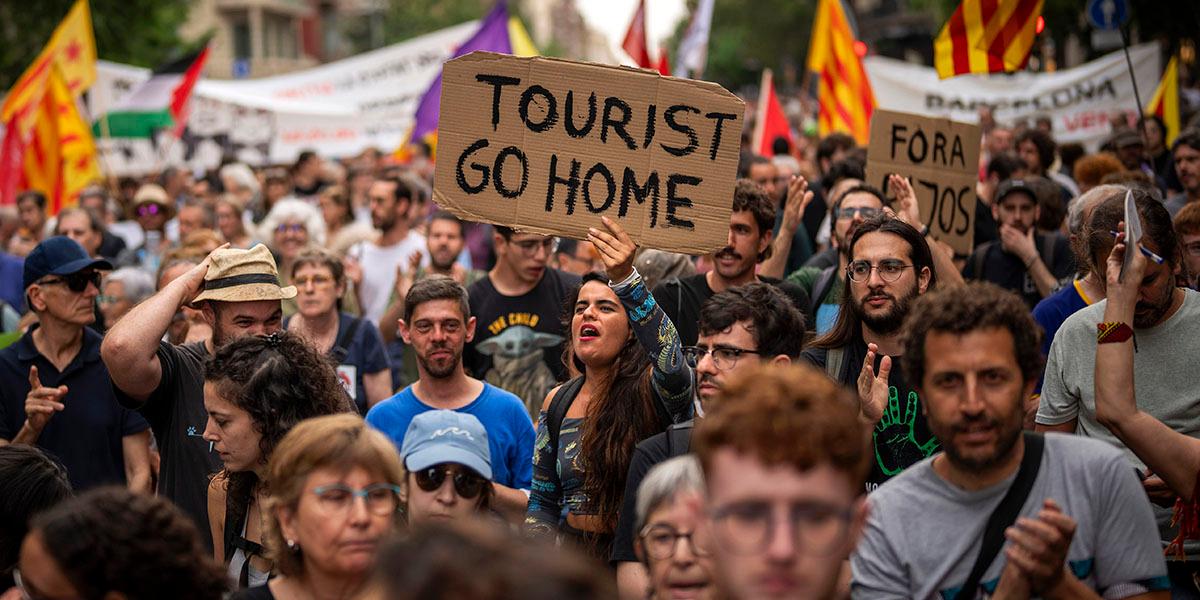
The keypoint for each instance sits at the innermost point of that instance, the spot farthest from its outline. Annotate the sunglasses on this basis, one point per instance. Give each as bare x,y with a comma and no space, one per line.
76,282
290,228
148,209
467,485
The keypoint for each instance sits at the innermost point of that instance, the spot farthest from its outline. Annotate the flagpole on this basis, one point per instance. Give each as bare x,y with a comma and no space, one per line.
1137,97
106,135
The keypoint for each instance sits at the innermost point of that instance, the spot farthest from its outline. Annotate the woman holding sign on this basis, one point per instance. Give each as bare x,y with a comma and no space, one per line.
635,383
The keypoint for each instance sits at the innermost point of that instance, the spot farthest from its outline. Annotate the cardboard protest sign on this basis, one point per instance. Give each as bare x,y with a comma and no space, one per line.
941,159
549,146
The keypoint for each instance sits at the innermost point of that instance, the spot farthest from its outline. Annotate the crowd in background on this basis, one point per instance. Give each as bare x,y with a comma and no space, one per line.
285,382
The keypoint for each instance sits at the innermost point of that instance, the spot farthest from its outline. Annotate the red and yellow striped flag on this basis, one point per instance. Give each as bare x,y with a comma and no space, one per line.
844,93
987,36
60,159
1165,103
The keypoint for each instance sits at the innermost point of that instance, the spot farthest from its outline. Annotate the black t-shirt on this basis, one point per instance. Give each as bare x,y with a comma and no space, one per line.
986,228
681,299
176,414
675,441
991,263
518,343
902,437
261,592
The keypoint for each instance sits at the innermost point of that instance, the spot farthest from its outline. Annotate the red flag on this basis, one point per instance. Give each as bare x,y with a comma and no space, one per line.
635,38
772,122
664,64
181,97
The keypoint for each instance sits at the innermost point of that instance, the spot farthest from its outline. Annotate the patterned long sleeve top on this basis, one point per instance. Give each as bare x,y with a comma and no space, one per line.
558,472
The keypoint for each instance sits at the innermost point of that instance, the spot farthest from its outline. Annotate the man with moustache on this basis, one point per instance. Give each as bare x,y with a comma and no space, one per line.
437,324
889,265
739,328
1165,328
750,235
1084,528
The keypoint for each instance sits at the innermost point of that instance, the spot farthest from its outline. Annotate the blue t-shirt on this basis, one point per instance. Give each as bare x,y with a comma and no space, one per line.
364,354
510,432
1053,310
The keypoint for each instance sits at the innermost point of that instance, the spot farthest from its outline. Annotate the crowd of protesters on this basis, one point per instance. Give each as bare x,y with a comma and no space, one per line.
311,382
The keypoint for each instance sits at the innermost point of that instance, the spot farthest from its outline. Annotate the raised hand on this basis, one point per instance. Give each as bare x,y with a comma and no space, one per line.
193,279
872,387
615,248
1039,547
906,208
41,402
1123,290
353,270
798,198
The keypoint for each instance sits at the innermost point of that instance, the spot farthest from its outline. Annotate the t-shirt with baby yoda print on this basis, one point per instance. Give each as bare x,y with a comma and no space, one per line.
519,340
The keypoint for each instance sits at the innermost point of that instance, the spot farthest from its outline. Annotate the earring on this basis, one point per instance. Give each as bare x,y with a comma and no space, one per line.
291,544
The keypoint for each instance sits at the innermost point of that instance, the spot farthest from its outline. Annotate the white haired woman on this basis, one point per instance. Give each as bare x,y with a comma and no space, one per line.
291,227
123,289
665,517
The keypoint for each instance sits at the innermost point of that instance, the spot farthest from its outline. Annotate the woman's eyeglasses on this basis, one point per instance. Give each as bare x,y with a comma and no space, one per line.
381,498
466,485
290,228
76,282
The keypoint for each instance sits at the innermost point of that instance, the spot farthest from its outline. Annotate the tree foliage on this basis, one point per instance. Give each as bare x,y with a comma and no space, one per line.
406,19
138,32
748,36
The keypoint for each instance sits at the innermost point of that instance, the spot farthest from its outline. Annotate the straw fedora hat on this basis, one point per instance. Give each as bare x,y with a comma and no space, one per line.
236,275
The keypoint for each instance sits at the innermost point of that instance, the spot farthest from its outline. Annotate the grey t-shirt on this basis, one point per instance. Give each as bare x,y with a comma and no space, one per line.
923,533
1163,373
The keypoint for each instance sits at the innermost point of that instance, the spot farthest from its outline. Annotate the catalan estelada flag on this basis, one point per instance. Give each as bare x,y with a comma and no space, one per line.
844,93
60,159
987,36
70,58
1165,103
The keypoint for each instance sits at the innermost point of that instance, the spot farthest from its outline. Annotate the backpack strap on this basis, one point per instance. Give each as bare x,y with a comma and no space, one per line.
821,287
834,359
345,337
979,258
559,405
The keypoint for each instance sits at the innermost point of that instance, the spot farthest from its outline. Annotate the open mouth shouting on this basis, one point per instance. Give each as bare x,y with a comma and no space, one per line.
588,332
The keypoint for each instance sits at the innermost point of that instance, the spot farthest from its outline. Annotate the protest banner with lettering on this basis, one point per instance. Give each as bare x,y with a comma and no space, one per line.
549,146
941,159
1081,101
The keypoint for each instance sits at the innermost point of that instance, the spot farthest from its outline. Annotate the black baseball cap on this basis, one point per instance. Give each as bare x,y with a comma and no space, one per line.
59,255
1008,186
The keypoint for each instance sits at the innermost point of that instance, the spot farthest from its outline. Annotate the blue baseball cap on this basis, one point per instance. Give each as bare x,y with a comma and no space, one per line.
446,436
59,255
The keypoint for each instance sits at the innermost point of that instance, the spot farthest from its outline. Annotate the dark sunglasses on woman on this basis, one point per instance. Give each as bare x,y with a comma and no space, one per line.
467,484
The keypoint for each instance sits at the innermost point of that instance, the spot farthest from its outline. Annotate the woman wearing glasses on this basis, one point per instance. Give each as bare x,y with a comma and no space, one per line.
291,227
634,384
449,467
255,390
664,518
335,492
353,343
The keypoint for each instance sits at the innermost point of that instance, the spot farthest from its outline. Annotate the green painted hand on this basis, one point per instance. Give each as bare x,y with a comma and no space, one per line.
896,445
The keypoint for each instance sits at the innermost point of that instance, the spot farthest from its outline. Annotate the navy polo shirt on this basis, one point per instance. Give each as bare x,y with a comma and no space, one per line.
86,435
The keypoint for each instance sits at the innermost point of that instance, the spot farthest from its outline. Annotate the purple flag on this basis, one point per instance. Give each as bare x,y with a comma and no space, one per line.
491,36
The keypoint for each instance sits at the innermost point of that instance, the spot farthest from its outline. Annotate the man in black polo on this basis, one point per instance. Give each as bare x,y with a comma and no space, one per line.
55,391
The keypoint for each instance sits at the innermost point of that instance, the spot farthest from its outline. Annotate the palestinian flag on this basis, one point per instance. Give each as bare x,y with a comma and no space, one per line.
160,103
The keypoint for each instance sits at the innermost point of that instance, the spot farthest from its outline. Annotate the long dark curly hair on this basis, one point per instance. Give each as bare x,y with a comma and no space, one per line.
113,540
621,413
279,380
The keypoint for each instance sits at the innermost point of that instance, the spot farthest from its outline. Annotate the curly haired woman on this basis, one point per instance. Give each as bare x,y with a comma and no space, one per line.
255,390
